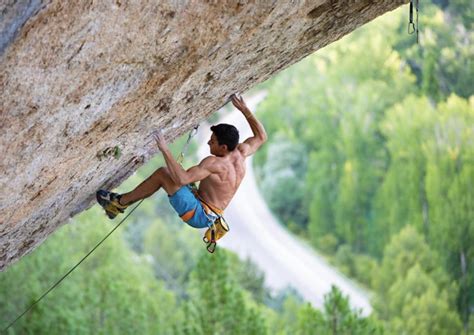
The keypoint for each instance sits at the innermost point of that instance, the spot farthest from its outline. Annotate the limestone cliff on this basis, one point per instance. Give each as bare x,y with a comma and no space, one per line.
81,77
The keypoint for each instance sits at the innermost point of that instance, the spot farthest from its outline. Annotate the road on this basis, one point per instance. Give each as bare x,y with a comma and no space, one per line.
256,234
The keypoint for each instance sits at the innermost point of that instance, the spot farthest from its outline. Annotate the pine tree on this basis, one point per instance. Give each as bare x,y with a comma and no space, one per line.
310,321
217,304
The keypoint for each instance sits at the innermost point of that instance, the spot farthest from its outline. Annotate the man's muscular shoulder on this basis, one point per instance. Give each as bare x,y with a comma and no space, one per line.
243,148
209,163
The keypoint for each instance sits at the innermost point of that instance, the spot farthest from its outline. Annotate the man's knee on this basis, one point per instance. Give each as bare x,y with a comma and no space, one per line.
162,172
166,180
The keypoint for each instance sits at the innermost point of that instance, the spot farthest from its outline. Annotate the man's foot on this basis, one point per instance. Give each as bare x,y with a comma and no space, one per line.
110,202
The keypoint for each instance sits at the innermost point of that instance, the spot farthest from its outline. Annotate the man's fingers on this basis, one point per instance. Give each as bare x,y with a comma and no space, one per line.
235,98
158,137
157,133
237,102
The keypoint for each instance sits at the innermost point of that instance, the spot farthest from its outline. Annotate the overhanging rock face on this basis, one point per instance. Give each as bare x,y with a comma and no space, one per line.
82,77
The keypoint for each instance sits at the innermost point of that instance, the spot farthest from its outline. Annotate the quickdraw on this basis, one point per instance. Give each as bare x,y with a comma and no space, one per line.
214,233
412,27
192,133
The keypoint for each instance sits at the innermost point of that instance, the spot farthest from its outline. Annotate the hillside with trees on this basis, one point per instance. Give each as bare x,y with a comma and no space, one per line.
372,156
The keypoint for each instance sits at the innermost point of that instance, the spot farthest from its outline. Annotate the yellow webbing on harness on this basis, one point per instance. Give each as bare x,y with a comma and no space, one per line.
218,229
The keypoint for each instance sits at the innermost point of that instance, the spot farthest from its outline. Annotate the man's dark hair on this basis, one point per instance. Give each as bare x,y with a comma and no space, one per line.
226,134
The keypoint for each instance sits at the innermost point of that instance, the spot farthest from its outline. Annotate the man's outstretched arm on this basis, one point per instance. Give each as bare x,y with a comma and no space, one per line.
177,173
250,145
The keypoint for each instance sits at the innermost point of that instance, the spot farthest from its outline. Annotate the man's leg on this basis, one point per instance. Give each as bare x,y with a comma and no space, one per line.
160,178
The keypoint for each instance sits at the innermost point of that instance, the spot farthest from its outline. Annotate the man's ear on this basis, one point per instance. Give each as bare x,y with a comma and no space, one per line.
224,146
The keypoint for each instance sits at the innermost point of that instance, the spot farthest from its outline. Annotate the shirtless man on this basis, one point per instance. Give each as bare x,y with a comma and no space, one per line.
219,174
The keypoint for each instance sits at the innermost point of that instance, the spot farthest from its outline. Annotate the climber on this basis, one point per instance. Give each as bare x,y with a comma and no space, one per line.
219,175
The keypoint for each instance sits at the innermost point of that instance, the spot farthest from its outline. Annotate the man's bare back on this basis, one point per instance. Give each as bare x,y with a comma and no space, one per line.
219,188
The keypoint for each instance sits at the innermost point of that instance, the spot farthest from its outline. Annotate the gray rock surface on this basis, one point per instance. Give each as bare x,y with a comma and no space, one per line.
81,78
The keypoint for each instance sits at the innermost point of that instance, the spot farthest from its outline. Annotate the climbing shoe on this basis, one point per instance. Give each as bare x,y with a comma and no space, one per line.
111,203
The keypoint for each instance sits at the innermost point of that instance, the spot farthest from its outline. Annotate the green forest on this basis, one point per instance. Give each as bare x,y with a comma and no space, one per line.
370,159
371,155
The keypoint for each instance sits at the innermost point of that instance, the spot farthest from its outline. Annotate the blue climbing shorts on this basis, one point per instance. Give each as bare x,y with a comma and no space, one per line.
190,209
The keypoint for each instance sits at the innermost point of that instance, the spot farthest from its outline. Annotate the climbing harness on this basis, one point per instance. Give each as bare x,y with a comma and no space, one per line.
217,226
217,229
412,27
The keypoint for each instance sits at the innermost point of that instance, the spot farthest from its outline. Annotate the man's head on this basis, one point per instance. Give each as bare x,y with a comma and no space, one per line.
225,134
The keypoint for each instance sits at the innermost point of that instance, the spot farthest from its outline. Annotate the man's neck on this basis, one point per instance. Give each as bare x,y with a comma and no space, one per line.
222,154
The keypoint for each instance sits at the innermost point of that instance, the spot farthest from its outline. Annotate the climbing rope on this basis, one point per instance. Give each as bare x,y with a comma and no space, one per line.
412,27
192,133
72,269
